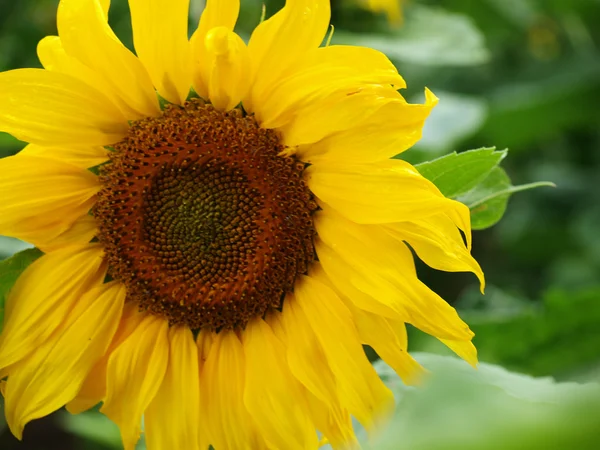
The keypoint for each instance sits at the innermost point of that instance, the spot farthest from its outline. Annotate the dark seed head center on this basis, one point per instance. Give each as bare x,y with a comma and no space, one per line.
202,219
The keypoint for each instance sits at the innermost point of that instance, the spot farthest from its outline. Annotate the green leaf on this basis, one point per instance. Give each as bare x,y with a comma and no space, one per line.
94,427
430,37
10,270
488,199
488,408
457,173
475,179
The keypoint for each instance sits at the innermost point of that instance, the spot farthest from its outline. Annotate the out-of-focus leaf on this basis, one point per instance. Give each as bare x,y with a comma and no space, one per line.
560,336
9,246
455,118
95,427
457,173
462,408
430,36
563,96
475,179
487,201
9,145
10,270
556,336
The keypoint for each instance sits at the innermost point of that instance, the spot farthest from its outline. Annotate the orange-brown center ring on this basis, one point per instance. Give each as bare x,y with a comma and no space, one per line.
202,219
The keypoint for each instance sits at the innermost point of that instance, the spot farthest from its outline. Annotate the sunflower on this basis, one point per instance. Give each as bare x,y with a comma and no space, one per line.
222,228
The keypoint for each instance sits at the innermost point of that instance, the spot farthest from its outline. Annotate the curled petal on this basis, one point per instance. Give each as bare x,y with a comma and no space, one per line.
227,61
217,13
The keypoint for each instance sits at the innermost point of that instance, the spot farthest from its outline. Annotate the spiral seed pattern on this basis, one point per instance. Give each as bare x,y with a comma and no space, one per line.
202,219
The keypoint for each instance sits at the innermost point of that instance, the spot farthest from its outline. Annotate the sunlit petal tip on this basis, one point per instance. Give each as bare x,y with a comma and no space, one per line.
430,98
465,349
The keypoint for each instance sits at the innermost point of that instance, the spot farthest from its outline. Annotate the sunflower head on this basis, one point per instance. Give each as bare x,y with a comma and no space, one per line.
234,245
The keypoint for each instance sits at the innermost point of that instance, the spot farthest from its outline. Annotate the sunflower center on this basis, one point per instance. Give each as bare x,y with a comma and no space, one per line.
202,219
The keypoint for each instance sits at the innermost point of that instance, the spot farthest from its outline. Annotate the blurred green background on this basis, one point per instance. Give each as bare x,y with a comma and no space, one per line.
516,74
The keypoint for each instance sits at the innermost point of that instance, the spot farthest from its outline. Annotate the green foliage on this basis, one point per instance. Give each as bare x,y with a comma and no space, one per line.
462,408
475,179
560,333
456,174
97,430
431,37
10,270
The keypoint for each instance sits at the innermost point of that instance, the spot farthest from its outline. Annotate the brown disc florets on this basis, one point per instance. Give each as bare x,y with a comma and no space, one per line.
202,219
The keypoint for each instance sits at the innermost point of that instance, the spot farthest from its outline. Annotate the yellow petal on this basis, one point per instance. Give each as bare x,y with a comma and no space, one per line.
366,291
360,389
80,156
278,43
322,75
44,295
217,13
388,338
81,232
337,112
437,241
53,57
465,349
134,374
204,341
272,395
41,198
53,374
50,108
309,365
228,423
387,266
171,421
227,63
82,25
160,36
390,130
382,192
93,389
305,355
334,422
